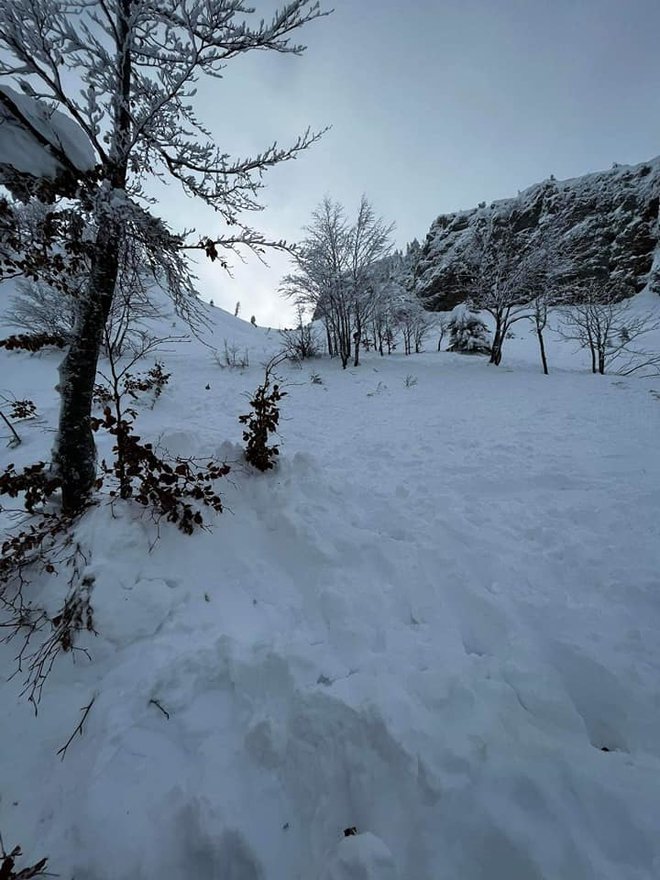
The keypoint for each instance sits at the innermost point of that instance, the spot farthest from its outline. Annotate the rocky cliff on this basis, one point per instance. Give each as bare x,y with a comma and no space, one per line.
602,226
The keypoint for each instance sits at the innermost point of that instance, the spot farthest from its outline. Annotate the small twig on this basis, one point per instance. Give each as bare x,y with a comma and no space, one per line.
164,711
79,728
17,441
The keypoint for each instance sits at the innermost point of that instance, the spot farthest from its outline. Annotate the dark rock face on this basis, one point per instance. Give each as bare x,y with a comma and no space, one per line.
601,226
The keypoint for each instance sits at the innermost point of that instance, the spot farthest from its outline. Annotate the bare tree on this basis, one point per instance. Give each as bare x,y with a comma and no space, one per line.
539,318
320,282
137,63
509,274
369,242
609,327
37,307
412,320
387,275
334,278
442,324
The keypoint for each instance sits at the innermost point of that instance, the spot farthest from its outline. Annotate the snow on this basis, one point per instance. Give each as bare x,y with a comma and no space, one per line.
428,623
21,150
362,856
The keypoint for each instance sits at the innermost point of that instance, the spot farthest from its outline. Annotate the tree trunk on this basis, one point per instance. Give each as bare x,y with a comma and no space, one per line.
74,455
378,339
601,361
544,360
345,347
329,341
357,341
496,350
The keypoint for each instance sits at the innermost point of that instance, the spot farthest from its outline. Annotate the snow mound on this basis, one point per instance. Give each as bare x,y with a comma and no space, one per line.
361,857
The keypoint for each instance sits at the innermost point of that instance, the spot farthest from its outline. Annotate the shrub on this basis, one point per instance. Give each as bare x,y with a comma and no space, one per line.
9,870
468,335
154,380
32,341
46,544
22,409
168,488
232,357
300,343
34,483
172,490
262,421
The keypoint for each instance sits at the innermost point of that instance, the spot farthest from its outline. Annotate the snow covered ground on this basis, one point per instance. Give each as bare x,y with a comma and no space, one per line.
437,622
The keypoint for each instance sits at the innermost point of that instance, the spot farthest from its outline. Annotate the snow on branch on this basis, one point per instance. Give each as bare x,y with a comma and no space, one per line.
39,142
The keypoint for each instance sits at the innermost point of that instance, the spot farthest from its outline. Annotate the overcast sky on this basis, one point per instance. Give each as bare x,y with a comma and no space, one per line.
435,105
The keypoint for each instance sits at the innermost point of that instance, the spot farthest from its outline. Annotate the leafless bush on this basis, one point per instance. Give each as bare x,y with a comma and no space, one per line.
301,343
44,544
39,308
231,357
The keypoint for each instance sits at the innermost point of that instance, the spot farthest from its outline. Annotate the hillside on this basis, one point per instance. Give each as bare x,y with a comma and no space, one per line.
436,621
606,224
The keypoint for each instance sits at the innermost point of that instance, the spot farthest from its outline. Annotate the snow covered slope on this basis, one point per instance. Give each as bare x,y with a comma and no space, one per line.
606,224
429,623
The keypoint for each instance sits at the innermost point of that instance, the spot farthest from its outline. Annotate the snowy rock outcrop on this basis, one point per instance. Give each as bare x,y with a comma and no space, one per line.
604,224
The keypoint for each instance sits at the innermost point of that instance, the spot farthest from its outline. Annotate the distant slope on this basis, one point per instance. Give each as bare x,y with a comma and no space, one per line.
607,222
